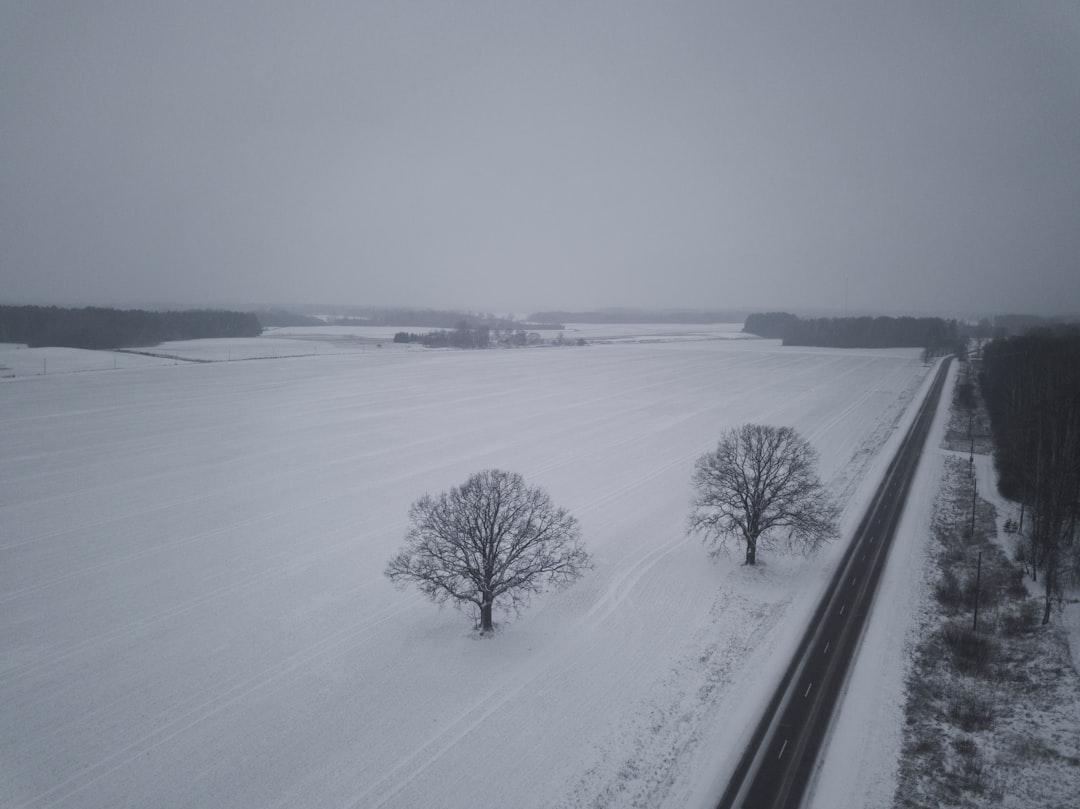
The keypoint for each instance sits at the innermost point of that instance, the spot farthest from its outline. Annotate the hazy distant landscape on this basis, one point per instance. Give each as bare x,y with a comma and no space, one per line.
270,275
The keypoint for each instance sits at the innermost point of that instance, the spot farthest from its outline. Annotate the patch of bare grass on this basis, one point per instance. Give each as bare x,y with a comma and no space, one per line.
971,708
972,652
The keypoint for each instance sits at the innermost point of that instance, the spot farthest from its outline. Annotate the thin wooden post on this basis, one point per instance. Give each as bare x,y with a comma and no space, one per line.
978,576
974,491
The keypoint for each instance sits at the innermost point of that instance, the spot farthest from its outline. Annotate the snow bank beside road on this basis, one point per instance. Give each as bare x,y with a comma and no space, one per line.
859,765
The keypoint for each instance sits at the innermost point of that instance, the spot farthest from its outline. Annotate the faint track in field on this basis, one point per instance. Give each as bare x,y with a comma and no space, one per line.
131,627
620,588
614,595
799,713
246,582
436,746
616,592
846,478
224,467
36,666
193,715
122,559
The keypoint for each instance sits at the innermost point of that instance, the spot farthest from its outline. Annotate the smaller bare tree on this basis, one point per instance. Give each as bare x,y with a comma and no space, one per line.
491,539
759,487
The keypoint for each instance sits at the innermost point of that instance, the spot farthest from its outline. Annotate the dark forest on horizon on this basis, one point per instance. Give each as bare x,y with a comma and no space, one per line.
104,328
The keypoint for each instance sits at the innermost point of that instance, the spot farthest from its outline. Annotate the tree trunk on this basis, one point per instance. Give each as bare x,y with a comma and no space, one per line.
485,617
751,551
1048,581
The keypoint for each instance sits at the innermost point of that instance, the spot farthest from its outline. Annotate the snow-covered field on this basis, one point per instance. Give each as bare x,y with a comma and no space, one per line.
193,611
18,360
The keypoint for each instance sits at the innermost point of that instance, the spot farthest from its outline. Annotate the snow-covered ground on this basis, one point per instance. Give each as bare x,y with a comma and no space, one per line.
18,360
193,606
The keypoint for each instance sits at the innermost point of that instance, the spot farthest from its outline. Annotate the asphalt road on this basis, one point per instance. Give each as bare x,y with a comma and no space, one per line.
777,765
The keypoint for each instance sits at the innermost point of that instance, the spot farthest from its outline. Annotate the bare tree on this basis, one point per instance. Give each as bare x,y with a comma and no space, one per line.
492,538
759,487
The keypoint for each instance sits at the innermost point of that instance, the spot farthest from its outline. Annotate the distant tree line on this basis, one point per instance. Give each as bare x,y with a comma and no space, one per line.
769,324
464,335
1031,386
432,319
102,328
933,334
277,318
940,336
1002,326
634,316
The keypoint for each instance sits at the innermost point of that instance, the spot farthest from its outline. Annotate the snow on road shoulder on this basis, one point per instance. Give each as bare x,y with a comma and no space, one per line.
858,766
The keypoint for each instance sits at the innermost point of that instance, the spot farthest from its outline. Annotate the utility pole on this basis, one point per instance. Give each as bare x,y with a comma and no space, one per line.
974,491
978,575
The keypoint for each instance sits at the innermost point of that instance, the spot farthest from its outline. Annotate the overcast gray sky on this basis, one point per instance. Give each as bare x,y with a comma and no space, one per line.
514,156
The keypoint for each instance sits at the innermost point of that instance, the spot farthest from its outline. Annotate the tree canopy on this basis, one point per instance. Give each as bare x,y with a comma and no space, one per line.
759,488
491,539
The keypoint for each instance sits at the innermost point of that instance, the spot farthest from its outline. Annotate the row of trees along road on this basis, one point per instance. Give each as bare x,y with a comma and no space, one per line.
935,336
495,539
1031,386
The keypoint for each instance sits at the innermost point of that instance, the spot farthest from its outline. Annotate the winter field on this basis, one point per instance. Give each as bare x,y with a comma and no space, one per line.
191,554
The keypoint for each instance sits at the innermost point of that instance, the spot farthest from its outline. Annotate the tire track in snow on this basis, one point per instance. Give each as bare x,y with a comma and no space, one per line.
855,404
34,666
119,560
483,708
129,629
422,446
622,585
615,594
847,475
222,699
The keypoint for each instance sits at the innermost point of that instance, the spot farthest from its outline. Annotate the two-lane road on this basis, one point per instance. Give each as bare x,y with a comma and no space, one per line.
776,767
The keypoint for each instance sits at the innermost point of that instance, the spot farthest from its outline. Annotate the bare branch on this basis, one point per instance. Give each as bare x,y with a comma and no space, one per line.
491,538
759,488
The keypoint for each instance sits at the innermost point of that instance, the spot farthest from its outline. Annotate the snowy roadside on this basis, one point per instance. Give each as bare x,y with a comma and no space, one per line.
739,703
859,765
935,711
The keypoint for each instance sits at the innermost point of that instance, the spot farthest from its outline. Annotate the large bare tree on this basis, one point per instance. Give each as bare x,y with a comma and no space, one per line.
759,487
493,538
